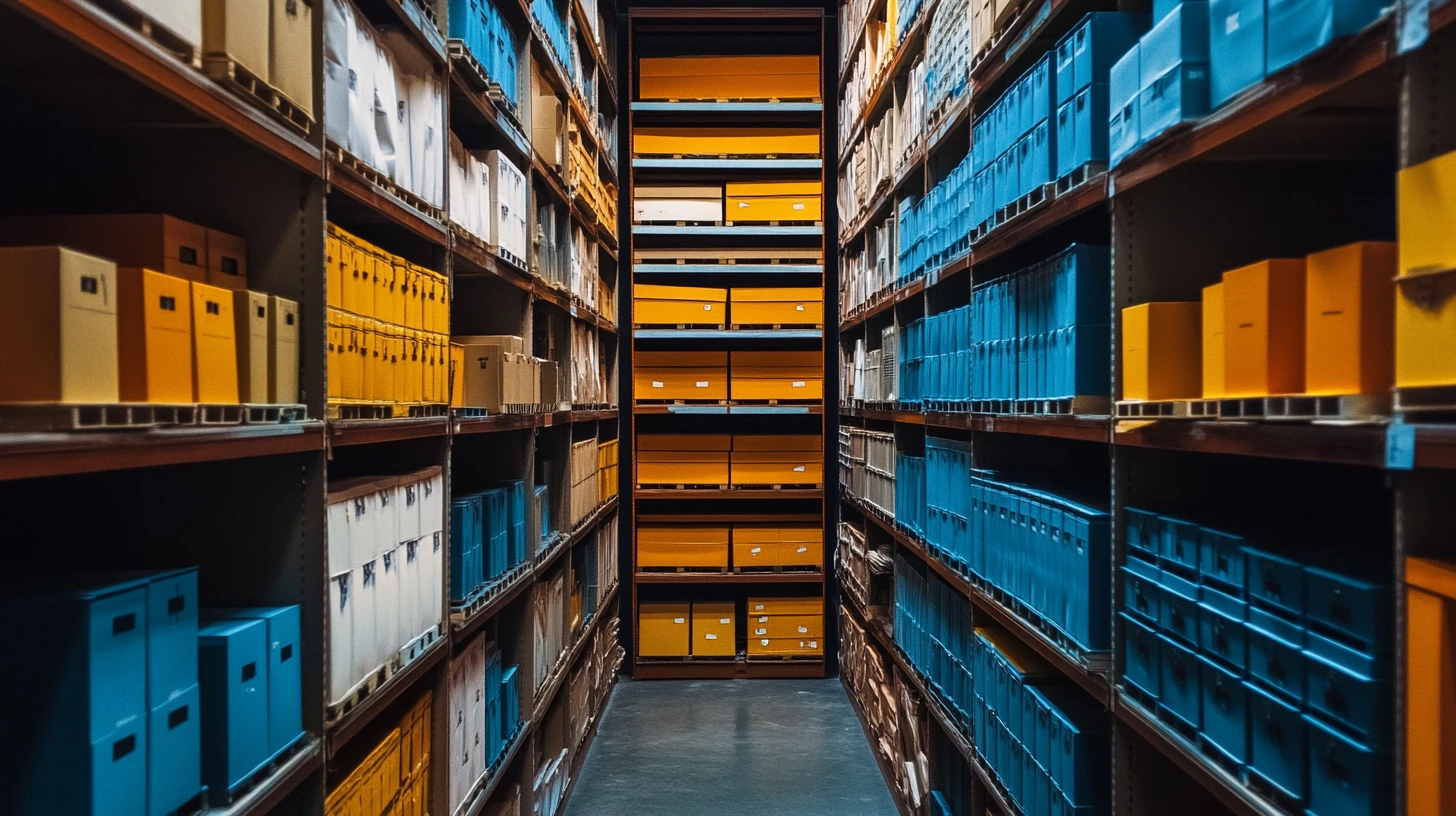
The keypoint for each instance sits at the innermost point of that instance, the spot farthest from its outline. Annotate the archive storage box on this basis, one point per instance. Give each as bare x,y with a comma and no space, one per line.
683,459
1350,319
774,201
778,306
777,459
1160,351
742,77
778,545
713,629
679,545
776,375
1213,341
1298,28
663,629
708,141
679,305
1425,309
154,336
1430,687
250,327
232,672
214,345
1236,48
236,31
58,326
1264,331
282,351
688,204
290,51
1124,125
680,375
284,677
774,626
1173,60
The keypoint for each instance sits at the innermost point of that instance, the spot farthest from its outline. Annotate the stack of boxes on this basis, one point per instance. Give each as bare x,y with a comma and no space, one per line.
487,538
489,38
1045,741
707,547
776,627
785,626
936,229
775,460
910,493
1084,60
389,326
744,201
1282,667
852,561
553,24
144,308
1013,145
933,629
608,462
470,206
395,777
501,377
385,560
548,605
948,68
868,467
745,376
1425,311
1042,333
590,369
707,307
937,360
485,716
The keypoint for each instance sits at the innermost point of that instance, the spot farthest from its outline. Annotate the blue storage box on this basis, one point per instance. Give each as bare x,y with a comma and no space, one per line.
1180,95
1276,652
232,658
1235,48
1142,590
1066,72
1124,85
1180,38
1221,560
1041,171
174,751
1277,742
1225,711
1043,97
1179,544
1077,753
1298,28
1179,694
1275,581
1144,532
1221,632
171,633
1099,40
1350,689
1348,608
465,535
1089,112
1346,777
1179,612
1142,668
1162,8
285,674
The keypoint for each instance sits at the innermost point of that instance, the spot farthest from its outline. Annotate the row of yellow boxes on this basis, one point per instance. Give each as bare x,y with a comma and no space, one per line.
774,627
376,362
709,307
708,546
367,281
741,77
735,201
721,375
394,779
76,329
740,460
608,462
725,141
581,174
1317,325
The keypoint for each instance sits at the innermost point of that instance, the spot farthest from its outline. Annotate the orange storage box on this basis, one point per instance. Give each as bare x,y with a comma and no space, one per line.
1350,319
713,629
776,375
781,306
787,626
777,546
1263,324
774,201
785,646
1431,687
1213,341
679,305
214,345
154,336
683,545
663,629
788,605
1161,351
680,375
696,459
675,141
740,77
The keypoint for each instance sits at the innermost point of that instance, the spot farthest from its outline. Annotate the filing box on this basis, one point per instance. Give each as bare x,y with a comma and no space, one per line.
1221,560
1160,351
1275,581
214,345
1430,739
154,336
1349,688
736,77
1179,694
58,326
158,242
777,546
1351,609
1349,319
772,459
789,605
1277,742
1124,133
713,631
1173,69
1264,330
776,375
282,351
1346,776
786,626
232,672
1142,590
1180,544
1221,632
1425,206
774,201
1276,657
740,141
806,647
174,748
1089,111
1225,711
171,631
290,51
251,323
1236,48
1178,611
698,459
693,204
1097,42
679,305
1213,342
1144,532
663,629
1425,324
227,255
285,677
680,375
682,546
237,31
1298,28
1141,655
778,306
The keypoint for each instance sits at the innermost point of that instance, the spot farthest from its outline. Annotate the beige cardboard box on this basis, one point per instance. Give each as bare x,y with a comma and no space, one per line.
251,322
58,326
282,351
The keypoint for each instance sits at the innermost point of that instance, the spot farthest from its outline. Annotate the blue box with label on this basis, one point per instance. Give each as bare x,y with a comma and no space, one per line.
1350,688
1276,652
1221,632
1236,48
232,658
1278,740
1179,694
1346,776
1142,667
174,751
285,673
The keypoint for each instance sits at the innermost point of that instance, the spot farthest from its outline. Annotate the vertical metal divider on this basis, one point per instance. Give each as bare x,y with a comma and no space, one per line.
626,439
829,154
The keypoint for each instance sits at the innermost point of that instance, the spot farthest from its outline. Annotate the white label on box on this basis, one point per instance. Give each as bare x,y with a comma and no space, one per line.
762,618
1231,23
798,205
764,641
802,549
760,631
743,205
725,621
756,550
799,469
813,644
710,636
803,630
707,307
758,607
799,308
656,384
702,383
798,383
679,620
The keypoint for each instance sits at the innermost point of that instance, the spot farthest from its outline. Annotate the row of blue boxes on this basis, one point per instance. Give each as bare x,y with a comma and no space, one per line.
910,510
489,39
1282,668
1043,332
1013,144
130,707
1047,743
933,629
554,24
487,537
947,55
935,358
936,229
502,705
1084,60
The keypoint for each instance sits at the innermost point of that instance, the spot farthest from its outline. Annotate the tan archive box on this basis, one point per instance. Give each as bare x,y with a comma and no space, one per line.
488,375
282,351
154,336
713,629
58,326
777,375
290,50
227,261
682,545
680,375
237,30
777,306
251,322
158,242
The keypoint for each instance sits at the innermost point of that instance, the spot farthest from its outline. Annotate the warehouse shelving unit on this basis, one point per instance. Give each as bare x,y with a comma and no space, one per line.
1315,138
247,502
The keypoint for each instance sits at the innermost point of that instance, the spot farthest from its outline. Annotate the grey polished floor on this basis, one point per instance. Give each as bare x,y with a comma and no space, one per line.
730,748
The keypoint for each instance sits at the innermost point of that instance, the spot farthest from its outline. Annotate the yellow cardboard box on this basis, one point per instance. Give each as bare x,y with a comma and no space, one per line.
770,545
1161,351
1213,341
1350,319
753,468
214,345
787,626
662,629
679,141
682,546
792,605
1263,323
1425,332
713,629
679,305
742,77
154,336
1425,211
778,306
785,646
774,201
682,467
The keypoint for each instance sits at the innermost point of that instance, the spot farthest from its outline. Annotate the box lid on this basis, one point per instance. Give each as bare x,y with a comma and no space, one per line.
777,442
774,188
689,293
782,294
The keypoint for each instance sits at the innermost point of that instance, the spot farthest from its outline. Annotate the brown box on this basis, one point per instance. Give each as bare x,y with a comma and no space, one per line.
486,372
227,261
58,326
158,242
548,384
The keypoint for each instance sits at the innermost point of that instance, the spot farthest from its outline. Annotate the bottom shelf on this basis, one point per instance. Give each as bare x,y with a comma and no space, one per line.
727,669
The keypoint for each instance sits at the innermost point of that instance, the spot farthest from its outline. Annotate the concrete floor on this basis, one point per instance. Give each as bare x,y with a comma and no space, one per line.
730,748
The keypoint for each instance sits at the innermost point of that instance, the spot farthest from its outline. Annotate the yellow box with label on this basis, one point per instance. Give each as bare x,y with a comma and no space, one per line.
774,201
789,605
154,336
778,306
335,346
1263,324
338,261
1350,319
1425,332
785,646
740,77
713,629
787,626
214,345
1213,341
680,375
679,305
682,546
1161,351
710,141
777,546
1425,211
282,351
251,322
755,468
663,629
